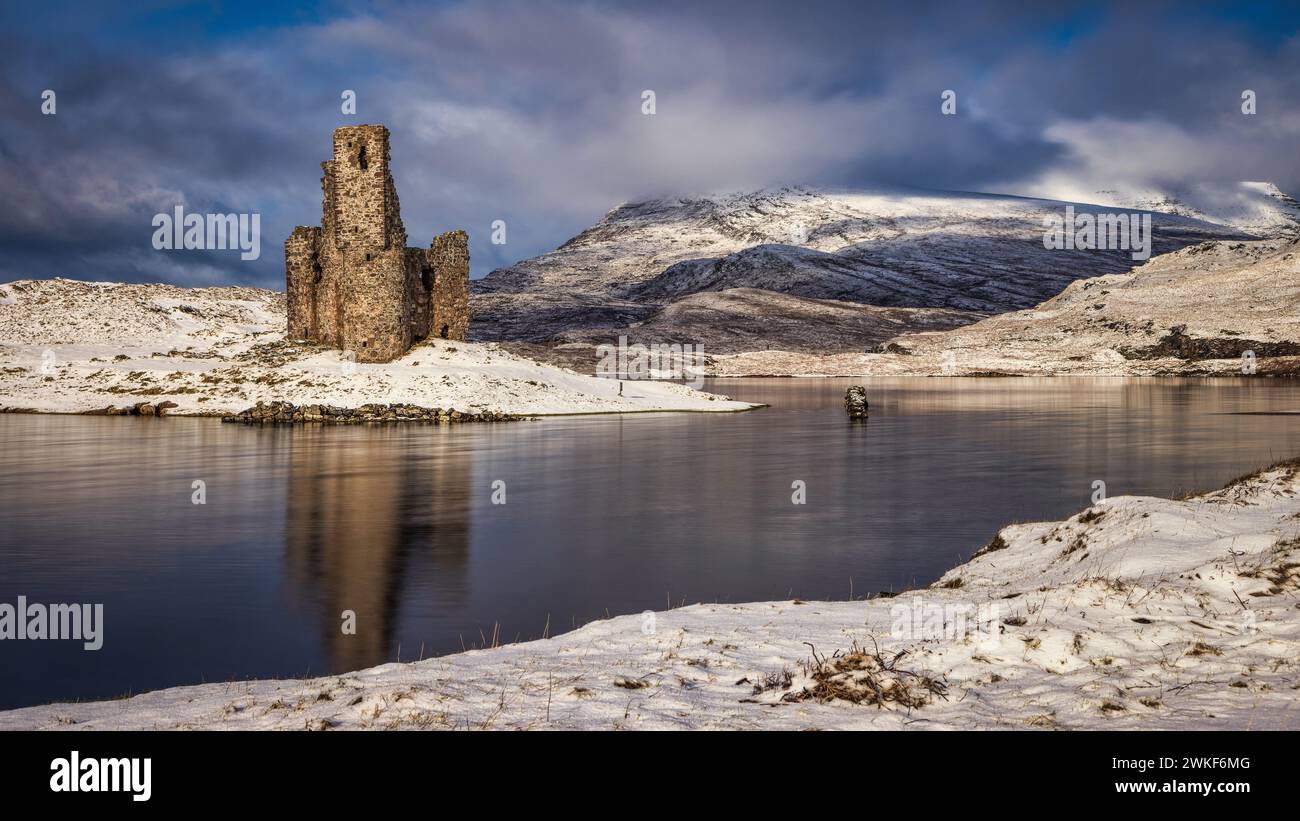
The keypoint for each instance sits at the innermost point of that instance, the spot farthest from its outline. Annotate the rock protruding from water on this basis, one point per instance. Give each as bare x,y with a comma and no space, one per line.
855,402
264,413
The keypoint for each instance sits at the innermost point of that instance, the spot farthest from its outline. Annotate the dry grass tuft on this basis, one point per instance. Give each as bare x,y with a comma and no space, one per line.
631,683
997,544
859,676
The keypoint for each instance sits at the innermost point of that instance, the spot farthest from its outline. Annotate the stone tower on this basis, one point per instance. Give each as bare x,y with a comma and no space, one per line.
352,283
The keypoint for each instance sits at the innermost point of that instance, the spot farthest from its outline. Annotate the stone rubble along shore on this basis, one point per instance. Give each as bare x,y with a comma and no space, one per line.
138,409
287,413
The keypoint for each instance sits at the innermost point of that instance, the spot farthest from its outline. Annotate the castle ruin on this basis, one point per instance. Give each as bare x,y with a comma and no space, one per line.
352,283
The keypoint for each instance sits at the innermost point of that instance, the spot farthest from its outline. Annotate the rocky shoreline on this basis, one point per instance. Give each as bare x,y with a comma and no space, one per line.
273,413
136,409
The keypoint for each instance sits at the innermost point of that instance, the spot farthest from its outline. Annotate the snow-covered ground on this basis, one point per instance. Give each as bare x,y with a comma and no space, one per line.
68,346
1136,613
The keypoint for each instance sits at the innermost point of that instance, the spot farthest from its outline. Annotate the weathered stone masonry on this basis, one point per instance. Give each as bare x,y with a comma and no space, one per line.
352,283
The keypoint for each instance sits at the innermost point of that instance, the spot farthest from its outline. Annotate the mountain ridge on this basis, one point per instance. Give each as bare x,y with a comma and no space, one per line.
973,252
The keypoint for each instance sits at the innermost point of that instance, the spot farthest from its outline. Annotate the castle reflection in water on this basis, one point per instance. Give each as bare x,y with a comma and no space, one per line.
354,525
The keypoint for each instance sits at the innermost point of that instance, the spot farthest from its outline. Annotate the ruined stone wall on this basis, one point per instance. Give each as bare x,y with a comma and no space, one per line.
449,296
302,270
419,278
376,319
366,212
352,283
329,296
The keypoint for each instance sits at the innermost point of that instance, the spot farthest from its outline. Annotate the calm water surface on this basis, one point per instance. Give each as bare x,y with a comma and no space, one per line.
603,514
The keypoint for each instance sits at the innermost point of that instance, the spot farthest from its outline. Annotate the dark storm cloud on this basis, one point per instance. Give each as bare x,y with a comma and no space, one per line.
530,112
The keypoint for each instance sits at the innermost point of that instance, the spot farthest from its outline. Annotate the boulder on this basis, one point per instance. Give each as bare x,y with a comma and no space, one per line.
855,402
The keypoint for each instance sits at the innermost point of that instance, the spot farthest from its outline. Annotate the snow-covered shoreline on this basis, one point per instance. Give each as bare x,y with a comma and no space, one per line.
1136,613
77,347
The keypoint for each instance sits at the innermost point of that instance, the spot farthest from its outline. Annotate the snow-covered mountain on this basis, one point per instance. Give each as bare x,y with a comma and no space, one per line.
899,248
1258,208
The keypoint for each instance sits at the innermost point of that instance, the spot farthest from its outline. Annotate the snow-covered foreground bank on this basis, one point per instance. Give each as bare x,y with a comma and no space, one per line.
69,347
1137,613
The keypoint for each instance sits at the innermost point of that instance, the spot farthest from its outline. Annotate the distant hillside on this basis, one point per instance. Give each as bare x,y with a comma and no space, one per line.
1191,312
750,319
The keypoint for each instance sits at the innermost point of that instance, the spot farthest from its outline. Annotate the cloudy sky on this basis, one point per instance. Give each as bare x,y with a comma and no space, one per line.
531,111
